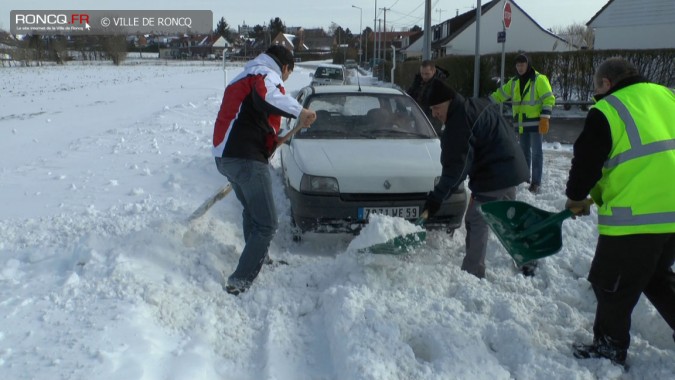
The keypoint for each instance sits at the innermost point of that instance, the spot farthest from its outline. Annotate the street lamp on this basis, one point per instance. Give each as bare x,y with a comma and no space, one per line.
361,35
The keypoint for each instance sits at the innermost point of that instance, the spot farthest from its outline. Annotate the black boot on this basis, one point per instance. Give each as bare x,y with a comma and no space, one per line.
528,269
601,348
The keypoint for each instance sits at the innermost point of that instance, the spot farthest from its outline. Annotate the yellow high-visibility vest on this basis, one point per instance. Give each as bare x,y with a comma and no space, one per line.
531,106
636,192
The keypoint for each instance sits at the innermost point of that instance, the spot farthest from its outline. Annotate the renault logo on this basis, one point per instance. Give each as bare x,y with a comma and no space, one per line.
386,184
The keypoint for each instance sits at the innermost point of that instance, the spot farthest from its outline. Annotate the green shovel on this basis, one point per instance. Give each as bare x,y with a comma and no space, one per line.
403,243
526,232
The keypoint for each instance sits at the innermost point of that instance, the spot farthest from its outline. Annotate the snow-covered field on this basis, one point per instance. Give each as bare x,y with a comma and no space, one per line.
101,278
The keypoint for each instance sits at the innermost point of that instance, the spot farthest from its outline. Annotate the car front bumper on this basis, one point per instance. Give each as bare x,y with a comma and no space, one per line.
339,213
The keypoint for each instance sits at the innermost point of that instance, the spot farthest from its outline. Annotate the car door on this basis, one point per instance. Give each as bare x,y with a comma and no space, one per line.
288,164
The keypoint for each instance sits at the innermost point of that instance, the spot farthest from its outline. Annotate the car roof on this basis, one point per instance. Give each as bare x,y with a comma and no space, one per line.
345,89
333,65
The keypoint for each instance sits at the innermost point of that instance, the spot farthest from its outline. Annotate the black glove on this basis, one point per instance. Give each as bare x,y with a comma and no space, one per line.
431,205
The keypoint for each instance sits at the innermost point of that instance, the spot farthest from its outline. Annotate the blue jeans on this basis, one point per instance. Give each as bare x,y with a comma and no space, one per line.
530,143
252,184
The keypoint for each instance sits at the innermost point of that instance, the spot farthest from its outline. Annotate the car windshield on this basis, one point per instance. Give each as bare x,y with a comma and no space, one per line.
366,116
328,72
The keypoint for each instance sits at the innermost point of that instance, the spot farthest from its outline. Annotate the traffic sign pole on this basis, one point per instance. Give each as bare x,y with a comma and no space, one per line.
506,22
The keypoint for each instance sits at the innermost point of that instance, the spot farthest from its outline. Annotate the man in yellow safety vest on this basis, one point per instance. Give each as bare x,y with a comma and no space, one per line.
624,158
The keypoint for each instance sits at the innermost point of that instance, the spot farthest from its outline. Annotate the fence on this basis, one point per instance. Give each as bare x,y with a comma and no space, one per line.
570,73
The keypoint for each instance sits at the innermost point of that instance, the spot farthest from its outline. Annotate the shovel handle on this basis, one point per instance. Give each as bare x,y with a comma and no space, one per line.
423,218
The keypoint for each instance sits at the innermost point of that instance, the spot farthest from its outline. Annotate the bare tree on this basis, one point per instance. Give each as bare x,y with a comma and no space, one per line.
115,46
578,35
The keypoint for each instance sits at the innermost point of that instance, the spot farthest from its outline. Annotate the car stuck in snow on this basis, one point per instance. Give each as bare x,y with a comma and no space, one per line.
371,150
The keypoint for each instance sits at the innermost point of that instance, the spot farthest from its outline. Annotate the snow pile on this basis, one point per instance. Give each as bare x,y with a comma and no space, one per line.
380,229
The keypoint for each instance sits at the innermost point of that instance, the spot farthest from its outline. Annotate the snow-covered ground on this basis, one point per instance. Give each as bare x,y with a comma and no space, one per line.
101,278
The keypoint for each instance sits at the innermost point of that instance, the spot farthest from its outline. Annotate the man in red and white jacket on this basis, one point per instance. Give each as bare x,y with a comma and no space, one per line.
244,137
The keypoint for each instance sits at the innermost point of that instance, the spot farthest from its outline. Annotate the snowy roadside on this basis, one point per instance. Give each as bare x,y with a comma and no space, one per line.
100,277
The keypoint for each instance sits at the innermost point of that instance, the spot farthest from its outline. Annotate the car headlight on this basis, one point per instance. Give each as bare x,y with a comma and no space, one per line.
315,184
437,180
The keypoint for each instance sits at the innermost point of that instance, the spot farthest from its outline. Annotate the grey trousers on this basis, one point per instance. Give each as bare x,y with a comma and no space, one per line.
477,229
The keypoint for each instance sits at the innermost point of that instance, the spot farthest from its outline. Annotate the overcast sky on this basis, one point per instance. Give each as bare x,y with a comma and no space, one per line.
320,13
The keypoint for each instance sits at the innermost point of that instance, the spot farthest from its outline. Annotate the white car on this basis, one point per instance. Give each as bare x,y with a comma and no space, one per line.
328,74
371,150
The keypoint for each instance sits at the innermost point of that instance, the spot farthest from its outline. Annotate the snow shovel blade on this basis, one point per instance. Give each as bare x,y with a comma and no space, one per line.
403,243
526,232
399,245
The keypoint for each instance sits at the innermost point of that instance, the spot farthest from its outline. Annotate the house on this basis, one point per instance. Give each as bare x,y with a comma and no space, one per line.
385,40
220,46
315,39
629,24
457,36
194,46
289,41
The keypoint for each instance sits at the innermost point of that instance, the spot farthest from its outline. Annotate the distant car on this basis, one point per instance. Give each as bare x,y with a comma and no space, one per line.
371,150
351,64
327,74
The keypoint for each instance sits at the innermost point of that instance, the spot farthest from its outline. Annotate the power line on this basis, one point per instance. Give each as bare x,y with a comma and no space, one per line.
409,18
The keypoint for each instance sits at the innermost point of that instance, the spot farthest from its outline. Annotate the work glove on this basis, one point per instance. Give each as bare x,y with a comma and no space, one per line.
543,125
582,207
431,205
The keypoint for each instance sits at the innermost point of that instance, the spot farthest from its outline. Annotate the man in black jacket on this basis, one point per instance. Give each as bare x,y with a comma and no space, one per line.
419,90
479,143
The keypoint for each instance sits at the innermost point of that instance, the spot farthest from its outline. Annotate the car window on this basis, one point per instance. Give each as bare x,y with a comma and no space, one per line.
366,116
329,72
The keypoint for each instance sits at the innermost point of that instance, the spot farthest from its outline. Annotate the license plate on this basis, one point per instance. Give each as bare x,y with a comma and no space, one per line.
411,212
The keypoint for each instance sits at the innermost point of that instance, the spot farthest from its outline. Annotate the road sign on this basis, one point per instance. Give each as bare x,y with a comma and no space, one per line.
507,15
501,37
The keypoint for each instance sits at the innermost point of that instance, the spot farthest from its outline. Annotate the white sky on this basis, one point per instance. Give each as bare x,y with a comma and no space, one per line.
313,13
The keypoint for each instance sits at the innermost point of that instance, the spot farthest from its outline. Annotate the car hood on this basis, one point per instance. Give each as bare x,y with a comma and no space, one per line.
372,166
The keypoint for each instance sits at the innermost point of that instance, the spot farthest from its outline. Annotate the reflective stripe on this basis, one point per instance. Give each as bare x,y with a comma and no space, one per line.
640,151
530,103
637,148
623,216
504,94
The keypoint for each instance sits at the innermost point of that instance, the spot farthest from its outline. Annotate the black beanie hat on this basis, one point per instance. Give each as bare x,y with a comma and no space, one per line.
522,58
440,92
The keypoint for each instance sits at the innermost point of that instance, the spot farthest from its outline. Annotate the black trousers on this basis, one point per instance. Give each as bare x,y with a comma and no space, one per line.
623,268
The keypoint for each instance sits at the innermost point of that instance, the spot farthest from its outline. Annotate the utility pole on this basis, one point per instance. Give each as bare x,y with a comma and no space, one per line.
476,62
426,37
379,40
440,18
360,35
384,53
375,36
